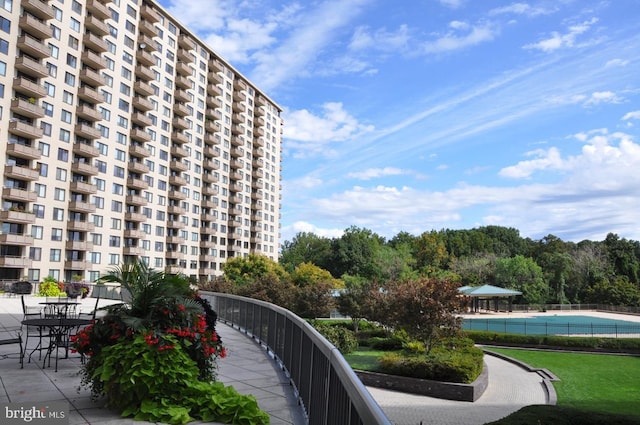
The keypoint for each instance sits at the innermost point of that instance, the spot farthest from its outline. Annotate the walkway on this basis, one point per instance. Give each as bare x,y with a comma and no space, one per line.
247,367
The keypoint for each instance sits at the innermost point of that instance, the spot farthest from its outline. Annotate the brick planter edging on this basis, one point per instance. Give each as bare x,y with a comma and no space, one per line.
438,389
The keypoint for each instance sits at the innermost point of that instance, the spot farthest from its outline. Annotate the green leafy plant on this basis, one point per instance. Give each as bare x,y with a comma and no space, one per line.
50,287
154,379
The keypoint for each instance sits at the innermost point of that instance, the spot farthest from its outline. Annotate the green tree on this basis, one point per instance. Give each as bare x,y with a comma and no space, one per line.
244,270
355,300
425,308
624,256
354,253
557,267
314,296
589,266
619,292
524,275
306,248
431,251
475,270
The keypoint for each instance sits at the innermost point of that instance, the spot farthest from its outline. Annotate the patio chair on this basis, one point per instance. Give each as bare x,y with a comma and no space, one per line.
31,312
91,314
11,341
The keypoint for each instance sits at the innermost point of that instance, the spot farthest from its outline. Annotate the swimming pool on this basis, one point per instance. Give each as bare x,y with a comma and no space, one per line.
554,325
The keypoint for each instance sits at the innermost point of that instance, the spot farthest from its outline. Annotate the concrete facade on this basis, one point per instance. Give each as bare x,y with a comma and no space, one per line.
127,137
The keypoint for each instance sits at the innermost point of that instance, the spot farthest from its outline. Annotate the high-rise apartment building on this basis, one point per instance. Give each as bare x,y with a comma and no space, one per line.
127,137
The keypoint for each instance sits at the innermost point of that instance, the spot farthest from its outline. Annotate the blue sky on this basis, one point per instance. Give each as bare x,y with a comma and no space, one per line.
415,115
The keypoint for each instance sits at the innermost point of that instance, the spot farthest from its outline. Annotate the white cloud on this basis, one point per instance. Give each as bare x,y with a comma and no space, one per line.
558,40
453,4
603,97
203,15
288,232
587,100
309,133
381,39
597,192
544,160
373,173
635,115
521,9
616,63
461,36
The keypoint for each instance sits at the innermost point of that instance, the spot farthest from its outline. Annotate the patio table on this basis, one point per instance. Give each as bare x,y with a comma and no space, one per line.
59,329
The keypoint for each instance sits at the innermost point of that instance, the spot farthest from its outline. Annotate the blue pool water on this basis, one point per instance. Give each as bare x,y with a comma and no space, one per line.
554,325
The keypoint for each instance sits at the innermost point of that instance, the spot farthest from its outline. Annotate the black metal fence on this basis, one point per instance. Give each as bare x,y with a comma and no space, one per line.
328,389
514,326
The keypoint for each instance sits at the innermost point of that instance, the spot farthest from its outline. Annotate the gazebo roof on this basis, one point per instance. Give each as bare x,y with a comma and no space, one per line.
487,291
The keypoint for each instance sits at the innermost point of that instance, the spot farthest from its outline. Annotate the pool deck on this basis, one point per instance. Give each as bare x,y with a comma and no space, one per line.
548,313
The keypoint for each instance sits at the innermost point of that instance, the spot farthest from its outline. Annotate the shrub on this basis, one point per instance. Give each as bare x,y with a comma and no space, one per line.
461,366
386,344
343,338
50,287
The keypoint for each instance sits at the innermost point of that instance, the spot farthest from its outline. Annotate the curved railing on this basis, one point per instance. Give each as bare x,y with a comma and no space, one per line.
327,387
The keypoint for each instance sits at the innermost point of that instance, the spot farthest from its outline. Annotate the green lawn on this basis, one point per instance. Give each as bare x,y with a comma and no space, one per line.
595,382
364,359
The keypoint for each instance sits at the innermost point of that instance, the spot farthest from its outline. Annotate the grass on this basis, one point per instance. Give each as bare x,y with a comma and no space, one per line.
590,382
364,358
560,415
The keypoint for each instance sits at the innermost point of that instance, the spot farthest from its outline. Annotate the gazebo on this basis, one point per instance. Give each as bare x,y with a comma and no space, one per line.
486,293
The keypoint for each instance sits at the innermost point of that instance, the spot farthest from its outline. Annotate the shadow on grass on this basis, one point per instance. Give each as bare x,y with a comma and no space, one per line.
559,415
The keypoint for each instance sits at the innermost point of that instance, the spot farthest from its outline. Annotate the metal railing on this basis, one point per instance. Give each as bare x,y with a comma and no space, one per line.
590,329
328,389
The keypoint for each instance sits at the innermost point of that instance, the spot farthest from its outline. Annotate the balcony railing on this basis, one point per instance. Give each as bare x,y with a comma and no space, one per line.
328,388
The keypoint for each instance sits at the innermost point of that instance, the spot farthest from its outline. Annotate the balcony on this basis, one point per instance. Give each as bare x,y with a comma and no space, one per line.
214,102
142,103
98,9
147,28
177,180
180,123
214,90
178,166
259,111
183,82
239,96
186,42
133,250
149,13
207,244
259,142
257,172
23,151
208,231
21,173
91,77
87,131
95,25
182,96
137,184
29,88
20,195
134,234
33,47
211,152
178,152
260,101
210,165
179,137
136,200
137,167
15,262
83,187
211,126
206,203
175,224
259,132
176,209
90,95
26,108
184,56
24,129
180,109
145,42
135,217
237,141
214,78
82,207
86,150
35,27
216,66
238,106
78,246
212,139
210,178
140,135
38,8
84,168
143,88
145,58
93,60
15,239
144,73
238,84
88,113
209,191
173,269
77,265
184,69
18,217
141,119
175,194
139,151
31,67
80,226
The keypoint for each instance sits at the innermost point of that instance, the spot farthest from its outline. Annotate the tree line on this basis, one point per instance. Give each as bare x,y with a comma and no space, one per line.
548,270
